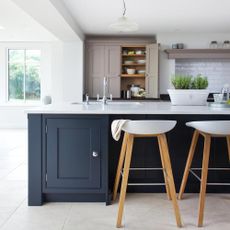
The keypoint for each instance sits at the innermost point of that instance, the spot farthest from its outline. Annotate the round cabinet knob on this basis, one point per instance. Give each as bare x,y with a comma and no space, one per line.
95,154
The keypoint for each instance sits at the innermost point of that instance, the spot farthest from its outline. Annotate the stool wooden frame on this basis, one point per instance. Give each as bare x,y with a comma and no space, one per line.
205,162
125,158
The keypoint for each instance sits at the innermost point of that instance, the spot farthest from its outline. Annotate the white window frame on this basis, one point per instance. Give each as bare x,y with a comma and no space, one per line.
22,102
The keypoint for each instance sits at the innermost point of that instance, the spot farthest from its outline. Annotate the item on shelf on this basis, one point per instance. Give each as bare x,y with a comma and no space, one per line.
226,44
174,46
131,53
213,45
180,46
134,90
139,52
128,94
125,52
141,61
128,62
141,71
130,71
218,97
141,92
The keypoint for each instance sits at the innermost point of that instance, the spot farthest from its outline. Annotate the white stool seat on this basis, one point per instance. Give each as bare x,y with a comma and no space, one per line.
211,127
148,127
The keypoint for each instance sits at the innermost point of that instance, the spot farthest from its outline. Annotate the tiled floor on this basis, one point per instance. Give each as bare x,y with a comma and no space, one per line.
142,211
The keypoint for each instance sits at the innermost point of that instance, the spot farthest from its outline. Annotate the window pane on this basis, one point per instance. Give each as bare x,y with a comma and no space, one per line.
16,56
33,56
16,81
32,82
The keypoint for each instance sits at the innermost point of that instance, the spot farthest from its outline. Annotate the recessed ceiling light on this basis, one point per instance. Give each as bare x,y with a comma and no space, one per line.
2,28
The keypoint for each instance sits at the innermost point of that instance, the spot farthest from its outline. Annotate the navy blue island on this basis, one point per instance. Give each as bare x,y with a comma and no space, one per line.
73,158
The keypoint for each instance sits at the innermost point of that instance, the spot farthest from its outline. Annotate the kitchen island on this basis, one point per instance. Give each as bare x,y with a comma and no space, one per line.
72,156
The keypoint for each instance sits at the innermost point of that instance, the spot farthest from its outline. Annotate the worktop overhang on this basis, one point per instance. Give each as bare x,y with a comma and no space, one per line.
142,108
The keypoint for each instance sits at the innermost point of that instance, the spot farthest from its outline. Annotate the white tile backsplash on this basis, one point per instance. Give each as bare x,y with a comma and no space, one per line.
216,70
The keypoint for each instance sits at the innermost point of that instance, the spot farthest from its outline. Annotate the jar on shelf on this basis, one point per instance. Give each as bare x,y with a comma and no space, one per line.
226,44
213,45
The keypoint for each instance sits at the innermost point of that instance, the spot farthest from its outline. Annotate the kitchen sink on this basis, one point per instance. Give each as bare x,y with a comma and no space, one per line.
108,103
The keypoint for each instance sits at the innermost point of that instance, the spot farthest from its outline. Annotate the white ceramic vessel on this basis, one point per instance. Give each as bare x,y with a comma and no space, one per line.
188,96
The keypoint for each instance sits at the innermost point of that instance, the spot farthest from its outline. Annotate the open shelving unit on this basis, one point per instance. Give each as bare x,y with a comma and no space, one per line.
131,53
198,53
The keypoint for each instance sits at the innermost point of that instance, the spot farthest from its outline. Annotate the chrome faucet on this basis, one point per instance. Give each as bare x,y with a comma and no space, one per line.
104,99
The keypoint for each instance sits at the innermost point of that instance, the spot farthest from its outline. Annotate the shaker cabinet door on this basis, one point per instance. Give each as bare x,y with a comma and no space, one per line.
73,154
152,70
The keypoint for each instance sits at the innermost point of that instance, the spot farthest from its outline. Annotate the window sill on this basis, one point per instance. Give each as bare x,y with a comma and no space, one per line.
20,105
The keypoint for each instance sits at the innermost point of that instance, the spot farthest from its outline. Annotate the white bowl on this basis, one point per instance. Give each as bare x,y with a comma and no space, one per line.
141,61
141,71
131,71
139,52
128,62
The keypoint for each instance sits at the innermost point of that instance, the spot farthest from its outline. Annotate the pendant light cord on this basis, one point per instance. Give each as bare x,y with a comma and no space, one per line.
124,8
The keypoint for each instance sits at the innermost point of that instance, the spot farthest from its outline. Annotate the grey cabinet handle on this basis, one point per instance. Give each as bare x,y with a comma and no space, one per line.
95,154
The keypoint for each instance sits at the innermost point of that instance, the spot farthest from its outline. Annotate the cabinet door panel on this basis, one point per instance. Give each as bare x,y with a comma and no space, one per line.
96,54
114,86
70,144
112,61
152,70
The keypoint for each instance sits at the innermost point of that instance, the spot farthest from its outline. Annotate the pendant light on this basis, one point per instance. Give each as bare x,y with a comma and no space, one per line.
123,24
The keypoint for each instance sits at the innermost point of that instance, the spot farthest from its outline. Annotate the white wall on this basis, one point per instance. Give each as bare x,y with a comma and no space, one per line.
61,72
191,40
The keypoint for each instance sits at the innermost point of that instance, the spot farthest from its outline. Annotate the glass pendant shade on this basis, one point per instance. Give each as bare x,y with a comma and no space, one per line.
123,24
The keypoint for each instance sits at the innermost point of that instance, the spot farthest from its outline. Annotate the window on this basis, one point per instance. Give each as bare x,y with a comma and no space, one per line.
24,75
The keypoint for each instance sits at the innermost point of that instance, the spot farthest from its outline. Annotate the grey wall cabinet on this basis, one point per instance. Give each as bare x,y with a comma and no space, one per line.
152,72
102,61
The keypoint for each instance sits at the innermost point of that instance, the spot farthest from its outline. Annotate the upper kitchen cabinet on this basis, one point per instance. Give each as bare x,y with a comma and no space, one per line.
151,82
125,63
102,61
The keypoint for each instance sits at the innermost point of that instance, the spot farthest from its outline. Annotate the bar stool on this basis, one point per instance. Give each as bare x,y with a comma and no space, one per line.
207,129
146,128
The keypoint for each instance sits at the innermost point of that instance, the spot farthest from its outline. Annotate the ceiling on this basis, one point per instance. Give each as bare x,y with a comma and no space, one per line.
19,26
153,16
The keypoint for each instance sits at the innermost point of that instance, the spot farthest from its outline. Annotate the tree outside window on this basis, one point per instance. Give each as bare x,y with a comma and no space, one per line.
24,75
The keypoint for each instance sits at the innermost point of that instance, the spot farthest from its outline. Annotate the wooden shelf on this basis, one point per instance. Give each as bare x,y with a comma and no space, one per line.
198,53
132,75
133,64
133,55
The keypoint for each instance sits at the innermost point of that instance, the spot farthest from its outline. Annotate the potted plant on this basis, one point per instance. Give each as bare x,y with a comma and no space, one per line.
189,90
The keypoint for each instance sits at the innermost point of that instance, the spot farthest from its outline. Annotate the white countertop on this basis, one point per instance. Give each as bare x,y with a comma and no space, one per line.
128,108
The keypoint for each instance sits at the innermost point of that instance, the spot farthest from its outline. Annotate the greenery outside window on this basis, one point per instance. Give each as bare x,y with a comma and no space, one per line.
24,75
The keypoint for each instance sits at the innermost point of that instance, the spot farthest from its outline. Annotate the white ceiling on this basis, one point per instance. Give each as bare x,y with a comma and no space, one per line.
19,26
153,16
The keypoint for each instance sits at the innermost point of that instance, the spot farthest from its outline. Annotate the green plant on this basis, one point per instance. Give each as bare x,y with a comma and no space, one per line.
189,82
181,81
199,82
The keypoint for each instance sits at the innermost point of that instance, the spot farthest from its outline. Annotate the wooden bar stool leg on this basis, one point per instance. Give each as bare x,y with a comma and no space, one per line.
125,179
169,176
228,144
206,153
163,166
120,165
188,163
